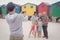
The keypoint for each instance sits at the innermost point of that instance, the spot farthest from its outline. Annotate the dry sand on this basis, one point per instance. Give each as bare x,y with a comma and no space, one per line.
53,31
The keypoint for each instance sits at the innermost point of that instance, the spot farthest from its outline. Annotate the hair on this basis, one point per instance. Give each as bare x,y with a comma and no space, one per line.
10,6
40,18
23,11
35,13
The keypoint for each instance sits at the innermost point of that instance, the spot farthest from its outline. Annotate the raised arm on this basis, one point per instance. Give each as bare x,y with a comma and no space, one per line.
23,17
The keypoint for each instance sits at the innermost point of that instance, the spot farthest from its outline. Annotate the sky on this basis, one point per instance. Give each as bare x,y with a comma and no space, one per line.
21,2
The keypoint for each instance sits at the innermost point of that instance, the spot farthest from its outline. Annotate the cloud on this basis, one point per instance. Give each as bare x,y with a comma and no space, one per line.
21,2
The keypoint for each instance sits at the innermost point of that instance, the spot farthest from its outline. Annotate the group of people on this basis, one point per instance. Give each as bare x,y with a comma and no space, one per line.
39,23
15,20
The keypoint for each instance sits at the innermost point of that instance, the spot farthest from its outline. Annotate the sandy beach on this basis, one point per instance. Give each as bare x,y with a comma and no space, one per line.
53,31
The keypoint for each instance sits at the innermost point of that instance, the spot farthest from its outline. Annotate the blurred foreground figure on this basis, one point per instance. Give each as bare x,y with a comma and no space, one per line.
15,22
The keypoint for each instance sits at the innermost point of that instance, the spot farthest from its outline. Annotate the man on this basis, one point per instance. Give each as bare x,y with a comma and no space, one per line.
15,22
45,24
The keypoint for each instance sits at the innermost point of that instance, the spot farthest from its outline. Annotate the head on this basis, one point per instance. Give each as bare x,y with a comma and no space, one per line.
35,13
40,19
11,8
23,12
40,14
44,14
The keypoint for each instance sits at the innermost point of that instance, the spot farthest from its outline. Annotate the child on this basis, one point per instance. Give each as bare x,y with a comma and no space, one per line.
34,17
34,29
25,16
39,26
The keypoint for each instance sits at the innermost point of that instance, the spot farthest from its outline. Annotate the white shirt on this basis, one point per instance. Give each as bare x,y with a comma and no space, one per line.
26,18
39,23
34,18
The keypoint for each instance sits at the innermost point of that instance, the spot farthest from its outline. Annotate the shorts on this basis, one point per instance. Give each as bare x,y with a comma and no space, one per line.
35,30
13,37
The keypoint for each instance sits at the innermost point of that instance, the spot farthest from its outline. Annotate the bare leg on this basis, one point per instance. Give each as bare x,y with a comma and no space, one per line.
30,33
34,34
39,34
